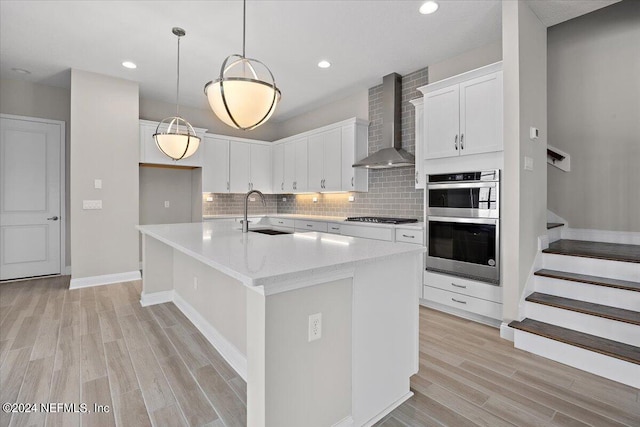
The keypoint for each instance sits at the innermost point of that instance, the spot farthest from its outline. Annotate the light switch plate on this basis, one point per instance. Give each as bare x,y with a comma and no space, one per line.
167,204
528,163
91,204
97,183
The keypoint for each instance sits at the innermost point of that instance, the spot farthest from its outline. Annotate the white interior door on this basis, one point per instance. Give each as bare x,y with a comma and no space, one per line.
30,186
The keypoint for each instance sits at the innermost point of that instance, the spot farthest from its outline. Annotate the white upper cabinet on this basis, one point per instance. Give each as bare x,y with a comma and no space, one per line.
420,176
240,167
463,114
355,137
250,167
325,161
277,168
151,154
215,169
321,160
260,170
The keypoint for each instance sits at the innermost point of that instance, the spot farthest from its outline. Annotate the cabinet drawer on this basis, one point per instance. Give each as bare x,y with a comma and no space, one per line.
463,286
409,235
333,228
367,232
302,225
463,302
282,222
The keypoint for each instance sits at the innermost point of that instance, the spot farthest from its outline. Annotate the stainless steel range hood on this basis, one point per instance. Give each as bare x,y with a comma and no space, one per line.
392,156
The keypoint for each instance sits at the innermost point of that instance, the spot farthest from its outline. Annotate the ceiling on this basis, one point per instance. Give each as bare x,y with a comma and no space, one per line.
363,40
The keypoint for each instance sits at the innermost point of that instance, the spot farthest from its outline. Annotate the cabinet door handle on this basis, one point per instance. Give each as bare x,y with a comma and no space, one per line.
462,141
416,177
335,228
458,301
227,185
309,225
352,181
249,186
280,222
455,142
408,236
459,286
282,186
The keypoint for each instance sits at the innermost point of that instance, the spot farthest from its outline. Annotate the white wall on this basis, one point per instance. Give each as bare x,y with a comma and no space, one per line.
355,105
47,102
525,104
466,61
104,145
156,110
594,115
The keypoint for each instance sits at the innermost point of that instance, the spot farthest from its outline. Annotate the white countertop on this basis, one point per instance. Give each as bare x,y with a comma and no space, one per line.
257,259
339,219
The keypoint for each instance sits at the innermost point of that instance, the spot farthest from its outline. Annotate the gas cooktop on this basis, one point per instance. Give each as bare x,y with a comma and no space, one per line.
381,220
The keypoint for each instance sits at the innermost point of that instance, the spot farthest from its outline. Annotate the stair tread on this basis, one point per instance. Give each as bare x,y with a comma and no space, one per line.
600,345
608,312
600,250
551,225
592,280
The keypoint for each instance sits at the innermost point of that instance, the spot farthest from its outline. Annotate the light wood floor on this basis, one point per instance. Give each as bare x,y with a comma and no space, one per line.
152,367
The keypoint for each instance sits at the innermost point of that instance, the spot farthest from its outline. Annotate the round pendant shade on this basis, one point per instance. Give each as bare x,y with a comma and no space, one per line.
178,140
240,98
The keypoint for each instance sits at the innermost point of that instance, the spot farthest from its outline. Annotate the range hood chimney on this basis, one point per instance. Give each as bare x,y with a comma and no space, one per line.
392,156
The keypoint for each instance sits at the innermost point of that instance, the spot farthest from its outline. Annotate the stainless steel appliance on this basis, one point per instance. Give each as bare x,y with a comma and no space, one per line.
381,220
463,224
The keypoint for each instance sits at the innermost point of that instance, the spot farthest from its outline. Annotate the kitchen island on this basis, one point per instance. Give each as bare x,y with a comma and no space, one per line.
257,298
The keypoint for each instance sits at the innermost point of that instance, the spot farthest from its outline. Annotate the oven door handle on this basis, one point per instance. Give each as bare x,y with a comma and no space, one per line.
491,221
461,185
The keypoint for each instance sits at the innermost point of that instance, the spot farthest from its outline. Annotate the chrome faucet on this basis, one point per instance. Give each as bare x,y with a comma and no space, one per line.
245,223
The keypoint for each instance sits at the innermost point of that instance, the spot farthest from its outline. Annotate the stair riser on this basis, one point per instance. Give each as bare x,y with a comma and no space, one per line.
592,266
594,325
554,234
612,297
596,363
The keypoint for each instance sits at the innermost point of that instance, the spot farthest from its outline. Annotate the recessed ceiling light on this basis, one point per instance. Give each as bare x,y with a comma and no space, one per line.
428,7
129,64
324,64
20,71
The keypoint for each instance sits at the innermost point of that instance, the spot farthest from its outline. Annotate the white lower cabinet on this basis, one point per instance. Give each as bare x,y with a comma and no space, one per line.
463,294
367,232
304,225
281,222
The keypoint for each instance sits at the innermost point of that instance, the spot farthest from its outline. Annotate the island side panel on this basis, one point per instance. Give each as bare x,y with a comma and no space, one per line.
305,383
216,304
385,334
157,272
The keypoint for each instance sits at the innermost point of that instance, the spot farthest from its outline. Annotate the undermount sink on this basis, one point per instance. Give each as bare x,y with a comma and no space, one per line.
270,231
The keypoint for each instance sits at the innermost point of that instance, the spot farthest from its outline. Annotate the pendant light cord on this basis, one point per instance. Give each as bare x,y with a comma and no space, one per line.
178,82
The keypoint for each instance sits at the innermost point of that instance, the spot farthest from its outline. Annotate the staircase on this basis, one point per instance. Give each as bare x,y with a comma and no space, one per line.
585,309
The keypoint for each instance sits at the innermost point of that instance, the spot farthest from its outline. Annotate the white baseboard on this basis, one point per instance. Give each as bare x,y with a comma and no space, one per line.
345,422
105,279
228,351
461,313
622,237
506,332
154,298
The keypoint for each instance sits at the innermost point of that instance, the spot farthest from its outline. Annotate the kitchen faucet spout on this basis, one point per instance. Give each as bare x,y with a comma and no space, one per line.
245,222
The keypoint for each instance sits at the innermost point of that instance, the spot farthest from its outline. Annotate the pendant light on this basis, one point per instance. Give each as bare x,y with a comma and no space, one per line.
174,136
240,97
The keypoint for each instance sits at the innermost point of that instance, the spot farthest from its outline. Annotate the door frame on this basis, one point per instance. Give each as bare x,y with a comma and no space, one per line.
63,183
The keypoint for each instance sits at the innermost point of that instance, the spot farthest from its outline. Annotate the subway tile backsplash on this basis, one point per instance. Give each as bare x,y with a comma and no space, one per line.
391,193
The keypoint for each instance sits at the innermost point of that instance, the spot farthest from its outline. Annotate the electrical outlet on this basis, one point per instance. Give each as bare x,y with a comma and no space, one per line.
195,282
166,204
315,327
209,198
284,199
315,200
352,199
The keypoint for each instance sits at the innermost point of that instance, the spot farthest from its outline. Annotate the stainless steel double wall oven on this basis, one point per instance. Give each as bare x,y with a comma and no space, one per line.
463,224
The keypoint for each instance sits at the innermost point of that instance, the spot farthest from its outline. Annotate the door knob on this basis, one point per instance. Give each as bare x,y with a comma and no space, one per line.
53,218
